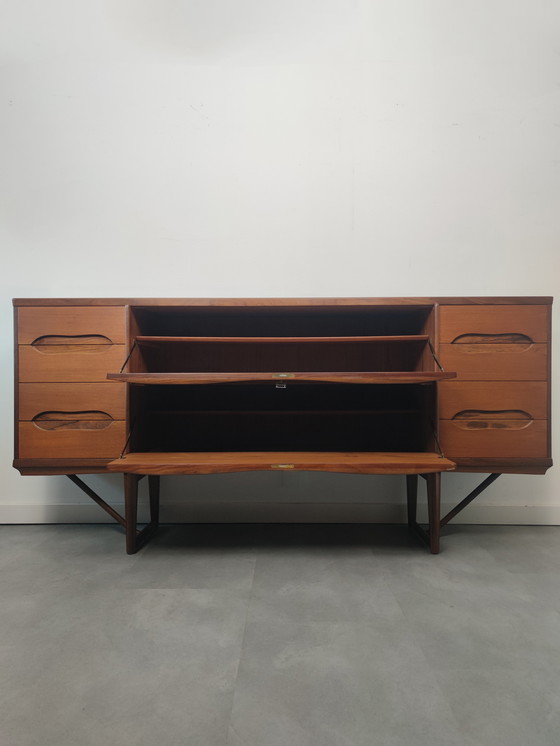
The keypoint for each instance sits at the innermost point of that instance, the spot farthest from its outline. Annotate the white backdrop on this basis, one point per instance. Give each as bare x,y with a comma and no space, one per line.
263,148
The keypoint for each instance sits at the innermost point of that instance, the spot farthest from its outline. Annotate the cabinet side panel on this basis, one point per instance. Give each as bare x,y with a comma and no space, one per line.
16,384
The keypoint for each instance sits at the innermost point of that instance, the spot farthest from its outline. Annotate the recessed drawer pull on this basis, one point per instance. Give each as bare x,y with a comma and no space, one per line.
66,339
94,420
503,419
492,339
71,344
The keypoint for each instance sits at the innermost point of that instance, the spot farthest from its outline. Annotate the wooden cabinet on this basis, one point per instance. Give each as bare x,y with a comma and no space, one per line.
497,408
372,386
66,408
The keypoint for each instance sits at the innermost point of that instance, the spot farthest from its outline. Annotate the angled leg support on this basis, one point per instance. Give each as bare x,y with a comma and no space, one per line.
469,498
95,497
135,539
435,521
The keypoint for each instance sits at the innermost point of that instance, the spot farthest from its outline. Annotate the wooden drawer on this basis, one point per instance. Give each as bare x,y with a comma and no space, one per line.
61,443
494,324
73,363
496,362
84,324
38,398
511,440
482,398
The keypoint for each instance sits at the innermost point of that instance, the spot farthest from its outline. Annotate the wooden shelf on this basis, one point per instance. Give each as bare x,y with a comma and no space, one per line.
334,377
283,412
145,339
406,358
214,462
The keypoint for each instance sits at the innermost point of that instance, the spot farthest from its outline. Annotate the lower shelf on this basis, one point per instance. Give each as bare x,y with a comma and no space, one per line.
218,462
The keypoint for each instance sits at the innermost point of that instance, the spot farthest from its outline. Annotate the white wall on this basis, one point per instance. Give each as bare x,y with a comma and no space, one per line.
264,148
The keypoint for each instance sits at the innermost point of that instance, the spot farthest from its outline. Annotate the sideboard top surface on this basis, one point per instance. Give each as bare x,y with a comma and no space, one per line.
285,302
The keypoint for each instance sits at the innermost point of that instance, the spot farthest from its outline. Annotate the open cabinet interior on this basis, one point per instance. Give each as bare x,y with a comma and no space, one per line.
282,417
281,321
282,379
275,354
217,344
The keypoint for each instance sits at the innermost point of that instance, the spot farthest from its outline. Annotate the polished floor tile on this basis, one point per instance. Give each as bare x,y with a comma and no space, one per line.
279,634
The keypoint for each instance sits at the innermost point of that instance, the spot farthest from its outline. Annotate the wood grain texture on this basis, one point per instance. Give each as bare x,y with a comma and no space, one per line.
37,322
35,398
278,354
62,443
531,321
529,442
529,396
400,339
212,463
280,302
496,362
69,366
334,377
88,420
503,365
71,339
521,465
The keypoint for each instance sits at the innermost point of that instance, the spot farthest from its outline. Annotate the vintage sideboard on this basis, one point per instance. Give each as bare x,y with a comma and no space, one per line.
412,386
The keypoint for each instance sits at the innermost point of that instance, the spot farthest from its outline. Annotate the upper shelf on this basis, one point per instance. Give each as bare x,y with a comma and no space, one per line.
339,359
330,377
419,338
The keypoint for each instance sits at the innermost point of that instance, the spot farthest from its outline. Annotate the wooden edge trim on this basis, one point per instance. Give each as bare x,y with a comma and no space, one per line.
489,463
359,301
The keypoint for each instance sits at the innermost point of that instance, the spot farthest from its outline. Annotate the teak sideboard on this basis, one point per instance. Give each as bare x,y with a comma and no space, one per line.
413,386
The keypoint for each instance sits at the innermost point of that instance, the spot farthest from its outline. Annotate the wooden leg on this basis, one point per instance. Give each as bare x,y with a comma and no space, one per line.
434,509
131,510
136,539
153,485
411,497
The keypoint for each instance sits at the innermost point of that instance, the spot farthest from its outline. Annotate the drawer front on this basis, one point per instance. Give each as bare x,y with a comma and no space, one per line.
72,363
482,398
509,439
84,324
494,324
71,398
106,441
496,362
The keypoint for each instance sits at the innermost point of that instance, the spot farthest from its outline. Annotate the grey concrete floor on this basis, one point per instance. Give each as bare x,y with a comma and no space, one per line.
279,636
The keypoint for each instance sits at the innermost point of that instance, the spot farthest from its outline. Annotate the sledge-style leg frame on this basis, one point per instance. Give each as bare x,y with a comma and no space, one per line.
135,538
435,521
